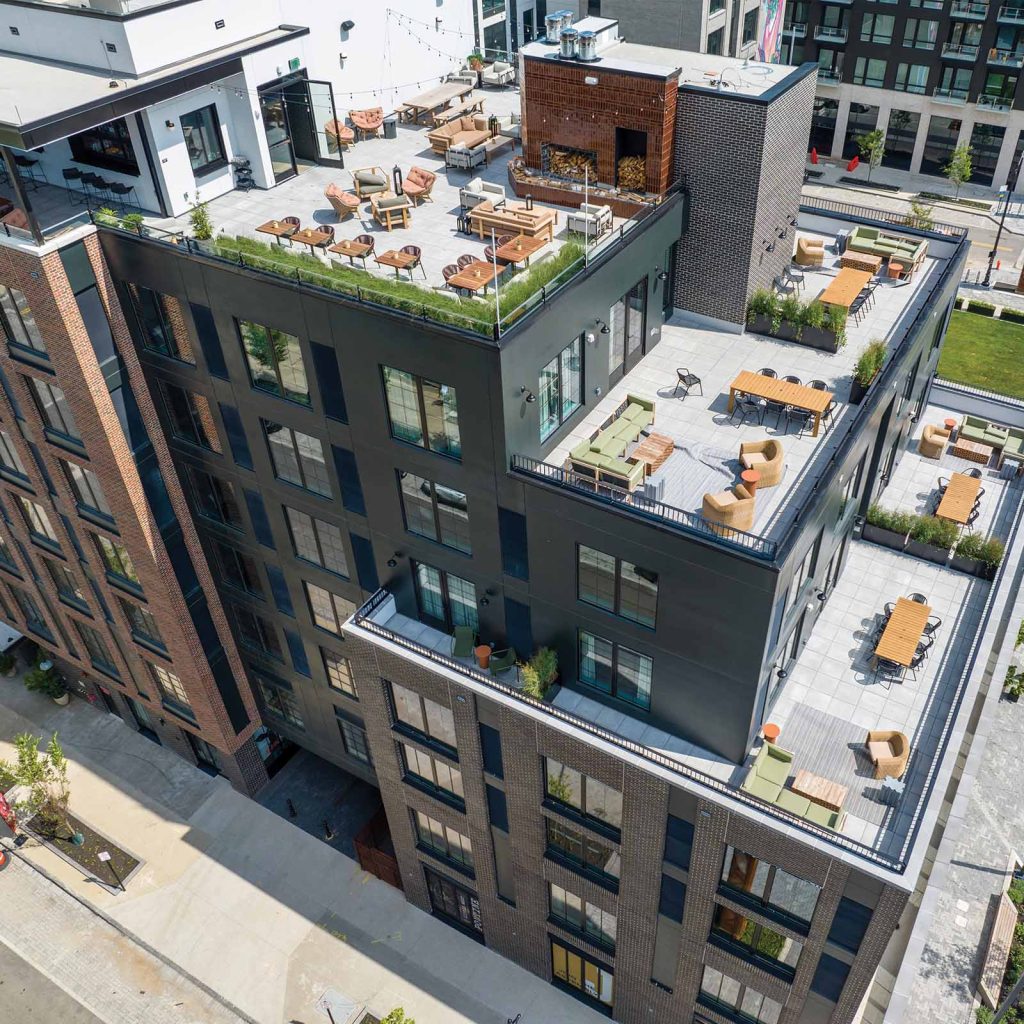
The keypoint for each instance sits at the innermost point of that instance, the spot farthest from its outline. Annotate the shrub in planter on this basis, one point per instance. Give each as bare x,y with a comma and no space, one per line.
887,527
978,555
869,362
539,673
1013,315
46,682
791,311
931,538
762,307
984,308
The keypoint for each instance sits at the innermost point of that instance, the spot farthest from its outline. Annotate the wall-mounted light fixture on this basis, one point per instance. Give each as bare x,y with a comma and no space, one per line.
168,124
770,247
347,26
663,276
590,80
605,329
438,22
529,396
393,560
597,390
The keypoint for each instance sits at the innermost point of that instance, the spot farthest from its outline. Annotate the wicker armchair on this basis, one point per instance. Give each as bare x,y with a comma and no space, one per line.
933,441
367,122
889,752
810,252
766,457
729,510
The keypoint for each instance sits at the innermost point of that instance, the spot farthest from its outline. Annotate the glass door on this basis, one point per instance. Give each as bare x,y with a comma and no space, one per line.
628,323
142,719
451,901
275,124
108,702
301,130
323,113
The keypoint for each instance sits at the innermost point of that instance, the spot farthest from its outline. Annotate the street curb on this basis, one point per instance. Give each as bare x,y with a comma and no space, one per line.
131,936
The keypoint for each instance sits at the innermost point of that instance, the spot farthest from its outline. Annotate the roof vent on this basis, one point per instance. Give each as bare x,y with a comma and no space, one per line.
567,43
552,26
587,49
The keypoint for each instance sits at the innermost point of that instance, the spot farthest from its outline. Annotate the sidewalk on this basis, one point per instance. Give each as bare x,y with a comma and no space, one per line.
262,913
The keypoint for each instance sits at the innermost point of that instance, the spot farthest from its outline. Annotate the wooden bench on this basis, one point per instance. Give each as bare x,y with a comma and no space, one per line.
442,117
998,950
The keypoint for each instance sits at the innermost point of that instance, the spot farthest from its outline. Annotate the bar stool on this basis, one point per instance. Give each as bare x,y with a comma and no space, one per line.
121,190
75,195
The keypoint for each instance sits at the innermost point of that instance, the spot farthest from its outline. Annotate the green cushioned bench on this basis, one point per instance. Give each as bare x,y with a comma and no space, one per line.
603,456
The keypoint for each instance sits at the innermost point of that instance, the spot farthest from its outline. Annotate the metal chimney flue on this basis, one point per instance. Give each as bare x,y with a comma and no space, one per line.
587,46
567,43
552,27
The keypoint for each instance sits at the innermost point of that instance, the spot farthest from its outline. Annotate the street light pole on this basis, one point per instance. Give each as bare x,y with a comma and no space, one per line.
1011,184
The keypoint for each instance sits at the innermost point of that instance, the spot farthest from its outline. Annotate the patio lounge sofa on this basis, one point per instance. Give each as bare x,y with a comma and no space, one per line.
418,183
369,181
590,220
908,251
810,252
468,131
511,220
498,74
933,441
602,456
729,510
1003,439
389,210
479,191
889,751
766,457
769,772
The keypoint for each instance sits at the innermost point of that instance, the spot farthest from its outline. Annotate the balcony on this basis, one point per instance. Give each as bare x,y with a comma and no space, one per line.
830,34
997,103
953,96
960,51
1011,14
1006,58
796,29
829,76
839,3
968,10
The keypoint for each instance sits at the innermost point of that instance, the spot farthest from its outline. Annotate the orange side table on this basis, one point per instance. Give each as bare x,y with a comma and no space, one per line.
483,655
770,731
751,478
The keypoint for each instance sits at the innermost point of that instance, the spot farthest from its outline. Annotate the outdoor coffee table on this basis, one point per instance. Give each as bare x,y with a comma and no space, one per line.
653,451
495,145
520,249
822,791
398,260
353,250
972,451
312,237
278,228
861,261
474,276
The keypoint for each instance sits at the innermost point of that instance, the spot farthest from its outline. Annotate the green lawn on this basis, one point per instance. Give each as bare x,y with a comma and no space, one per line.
984,353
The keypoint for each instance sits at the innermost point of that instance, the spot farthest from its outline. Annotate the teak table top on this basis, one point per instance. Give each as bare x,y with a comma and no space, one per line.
396,259
782,391
520,249
474,276
311,236
958,501
277,228
348,247
903,631
848,284
821,790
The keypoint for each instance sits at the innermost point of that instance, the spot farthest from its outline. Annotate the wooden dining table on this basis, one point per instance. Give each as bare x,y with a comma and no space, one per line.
846,286
397,260
440,96
782,391
903,632
352,249
312,237
520,249
278,228
474,276
958,501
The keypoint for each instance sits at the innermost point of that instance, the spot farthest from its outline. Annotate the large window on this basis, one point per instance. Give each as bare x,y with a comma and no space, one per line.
615,670
443,841
561,387
280,701
53,408
169,685
201,129
353,739
445,600
339,673
117,561
423,412
434,511
19,320
38,522
750,25
317,542
451,901
617,585
275,361
108,145
747,939
723,994
143,625
239,570
161,323
574,970
329,611
426,718
575,914
257,634
911,78
99,653
9,457
432,774
190,417
762,885
920,33
86,486
944,132
877,28
678,841
34,618
850,924
298,458
586,796
869,71
65,582
215,498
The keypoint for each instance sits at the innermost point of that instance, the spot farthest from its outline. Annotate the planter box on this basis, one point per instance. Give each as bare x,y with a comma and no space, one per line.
858,391
885,538
787,331
820,338
760,325
929,552
972,566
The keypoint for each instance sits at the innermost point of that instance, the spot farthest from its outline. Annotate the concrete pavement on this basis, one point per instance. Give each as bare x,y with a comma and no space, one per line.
29,997
264,914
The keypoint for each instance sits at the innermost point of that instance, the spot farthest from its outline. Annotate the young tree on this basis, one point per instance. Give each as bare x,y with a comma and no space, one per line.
45,775
920,215
959,168
872,148
397,1016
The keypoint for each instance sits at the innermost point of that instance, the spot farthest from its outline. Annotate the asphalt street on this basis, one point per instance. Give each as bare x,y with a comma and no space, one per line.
27,996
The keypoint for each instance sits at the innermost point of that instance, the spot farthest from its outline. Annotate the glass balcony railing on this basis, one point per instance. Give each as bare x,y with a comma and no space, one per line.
959,51
1012,14
995,102
829,76
1006,58
797,29
830,34
957,96
968,10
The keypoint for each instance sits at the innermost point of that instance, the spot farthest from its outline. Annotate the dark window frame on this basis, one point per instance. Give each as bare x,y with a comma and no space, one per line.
108,137
614,669
213,162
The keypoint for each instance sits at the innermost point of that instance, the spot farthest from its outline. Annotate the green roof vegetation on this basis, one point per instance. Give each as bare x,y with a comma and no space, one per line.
984,353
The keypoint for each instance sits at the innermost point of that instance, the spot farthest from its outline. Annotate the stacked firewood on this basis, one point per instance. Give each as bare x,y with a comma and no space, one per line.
572,164
633,173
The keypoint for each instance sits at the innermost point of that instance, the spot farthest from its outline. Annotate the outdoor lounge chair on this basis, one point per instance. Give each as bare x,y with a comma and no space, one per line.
810,252
389,210
418,183
590,220
766,457
933,441
369,181
502,661
889,751
367,122
463,642
338,135
498,75
768,773
729,510
343,203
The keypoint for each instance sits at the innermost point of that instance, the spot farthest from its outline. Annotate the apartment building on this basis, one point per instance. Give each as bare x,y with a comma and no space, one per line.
931,74
253,501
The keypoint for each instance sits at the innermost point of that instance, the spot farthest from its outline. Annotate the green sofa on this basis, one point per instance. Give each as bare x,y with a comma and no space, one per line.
767,780
603,455
907,251
977,428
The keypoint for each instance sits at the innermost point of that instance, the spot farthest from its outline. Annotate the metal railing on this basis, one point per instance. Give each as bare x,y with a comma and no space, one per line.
363,619
828,76
1006,58
995,102
968,9
645,508
1011,13
959,51
798,29
957,96
830,34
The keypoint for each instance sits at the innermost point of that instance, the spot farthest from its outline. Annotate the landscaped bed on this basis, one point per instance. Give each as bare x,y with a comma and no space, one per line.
984,353
110,873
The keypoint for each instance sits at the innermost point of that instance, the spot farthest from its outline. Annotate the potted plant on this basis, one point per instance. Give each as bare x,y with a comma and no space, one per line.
869,362
1013,685
977,555
887,528
132,222
475,61
45,680
539,673
199,218
931,538
8,665
790,319
761,311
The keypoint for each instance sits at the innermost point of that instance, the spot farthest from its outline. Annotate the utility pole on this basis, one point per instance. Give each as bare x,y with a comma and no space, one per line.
1011,184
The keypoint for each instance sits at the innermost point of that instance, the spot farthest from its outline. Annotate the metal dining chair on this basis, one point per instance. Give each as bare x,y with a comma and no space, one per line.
687,380
943,484
890,607
748,406
975,473
790,379
818,385
917,598
414,250
75,195
932,625
767,371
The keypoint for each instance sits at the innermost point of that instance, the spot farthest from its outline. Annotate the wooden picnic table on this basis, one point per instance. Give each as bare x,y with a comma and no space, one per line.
442,117
352,249
474,276
903,632
782,391
277,228
848,284
396,259
440,96
312,237
958,501
520,249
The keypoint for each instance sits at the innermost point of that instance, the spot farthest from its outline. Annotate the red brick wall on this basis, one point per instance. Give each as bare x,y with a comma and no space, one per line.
561,108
